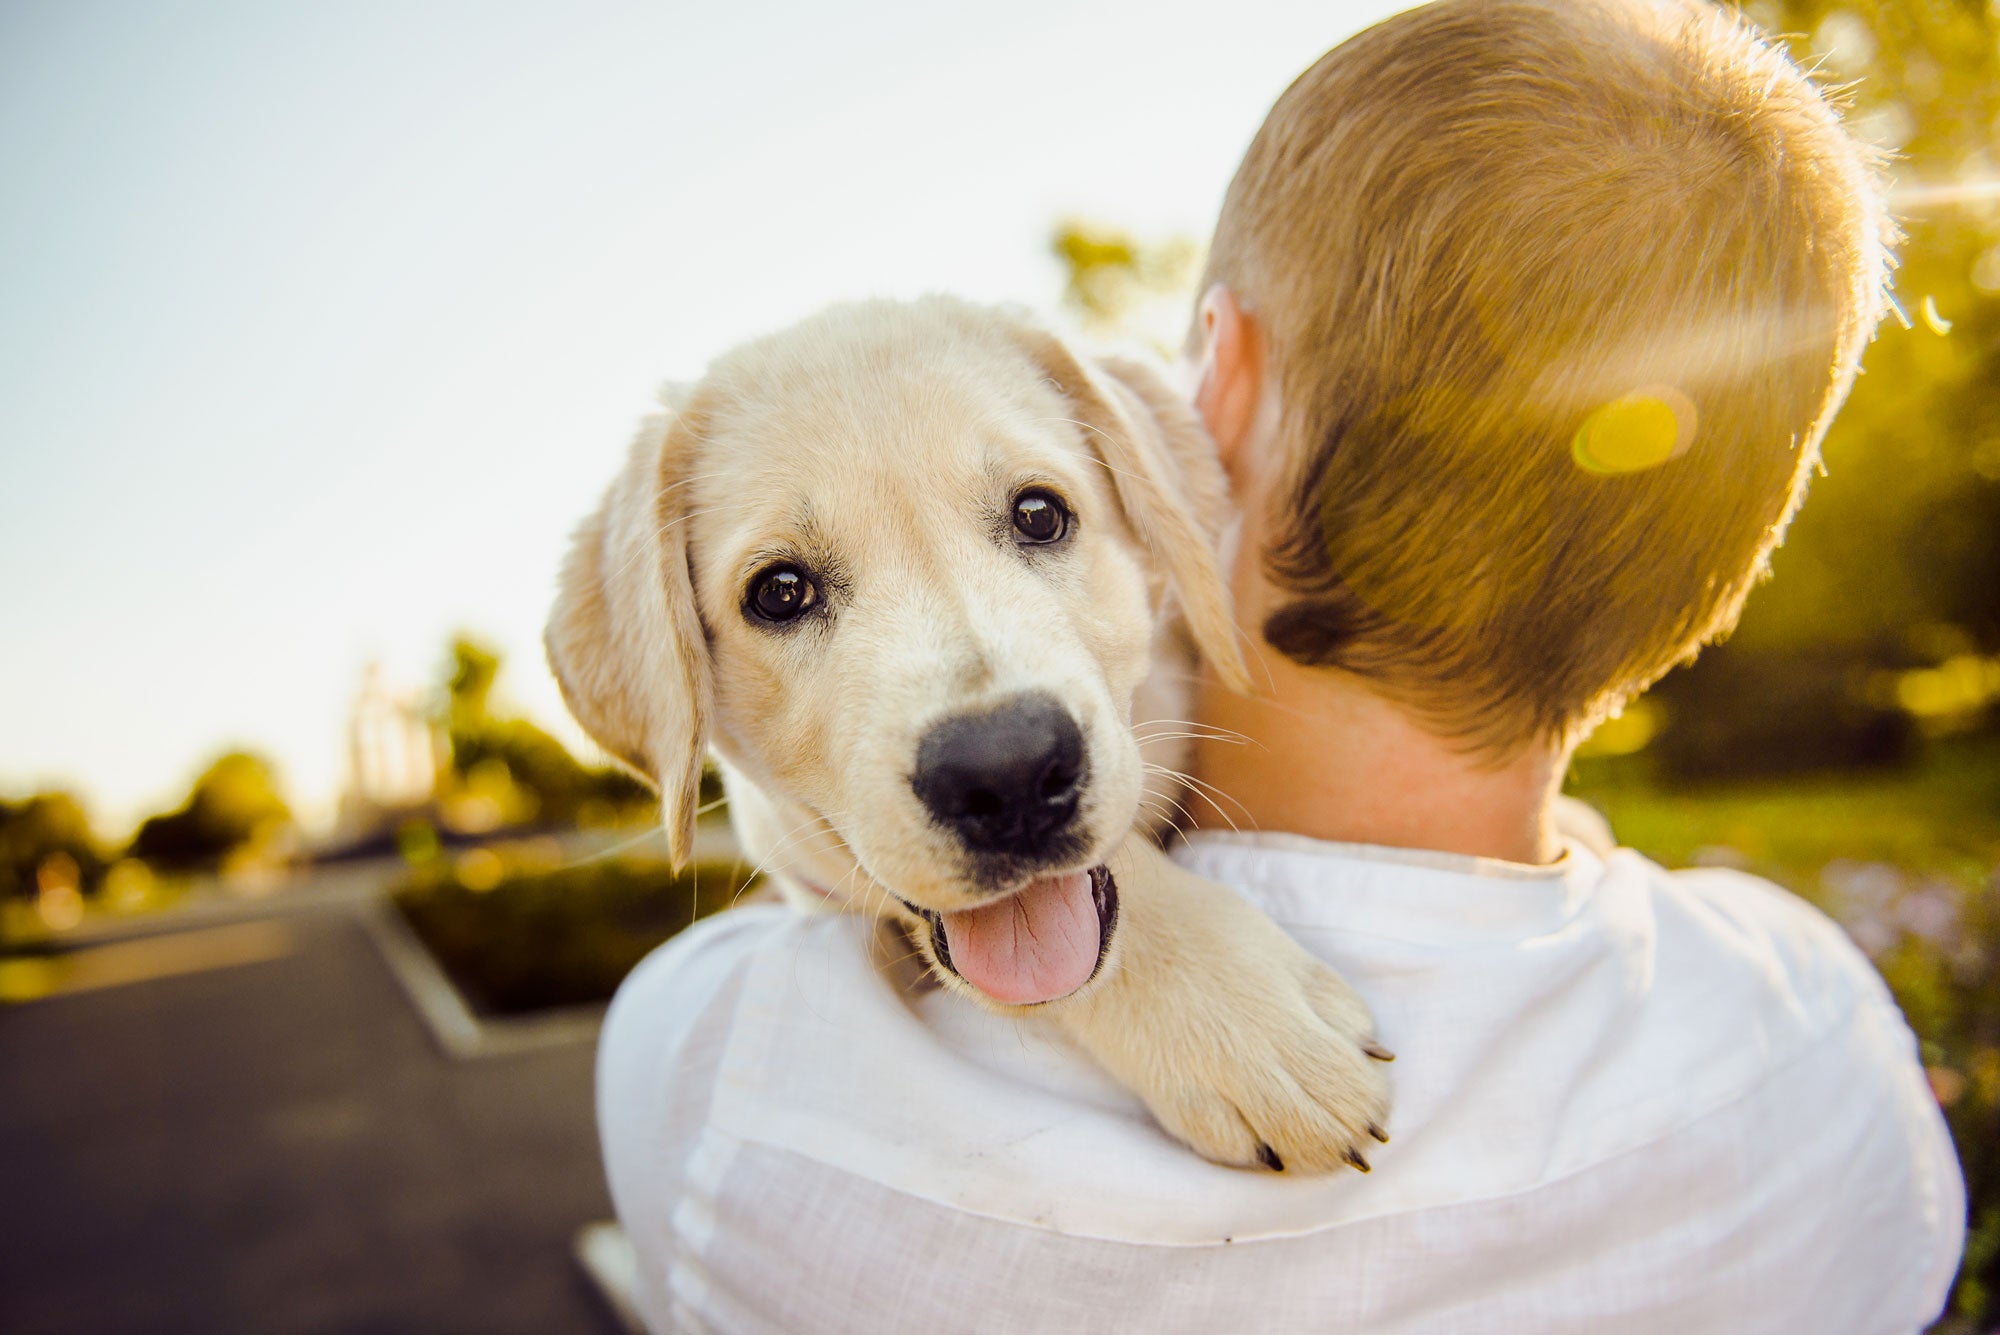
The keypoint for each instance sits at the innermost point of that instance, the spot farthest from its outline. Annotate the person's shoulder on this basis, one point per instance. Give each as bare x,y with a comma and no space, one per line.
677,1016
1782,992
1732,919
692,966
1841,1095
697,975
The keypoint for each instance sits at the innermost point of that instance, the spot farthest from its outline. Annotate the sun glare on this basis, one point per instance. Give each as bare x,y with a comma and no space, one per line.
1917,197
1631,434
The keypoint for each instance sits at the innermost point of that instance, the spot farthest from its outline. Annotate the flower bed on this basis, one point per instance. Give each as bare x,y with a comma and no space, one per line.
519,939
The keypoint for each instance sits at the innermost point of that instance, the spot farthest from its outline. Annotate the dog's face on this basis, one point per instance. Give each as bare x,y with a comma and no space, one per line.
902,566
926,612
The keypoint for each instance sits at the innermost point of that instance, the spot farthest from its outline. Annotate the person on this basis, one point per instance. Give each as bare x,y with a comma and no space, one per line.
1522,325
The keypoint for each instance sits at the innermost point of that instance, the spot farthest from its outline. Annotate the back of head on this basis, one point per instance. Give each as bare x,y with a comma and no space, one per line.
1560,298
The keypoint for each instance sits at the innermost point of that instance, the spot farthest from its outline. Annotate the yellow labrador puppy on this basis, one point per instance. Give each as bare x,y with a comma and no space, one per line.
913,572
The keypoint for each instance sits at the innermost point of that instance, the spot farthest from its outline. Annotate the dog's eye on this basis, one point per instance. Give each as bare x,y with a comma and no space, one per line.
1040,516
781,593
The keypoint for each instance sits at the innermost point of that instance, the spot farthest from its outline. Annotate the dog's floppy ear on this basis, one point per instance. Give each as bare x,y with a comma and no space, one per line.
1169,481
624,639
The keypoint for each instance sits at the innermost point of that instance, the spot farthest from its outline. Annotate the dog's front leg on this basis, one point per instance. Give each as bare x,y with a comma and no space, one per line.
1240,1043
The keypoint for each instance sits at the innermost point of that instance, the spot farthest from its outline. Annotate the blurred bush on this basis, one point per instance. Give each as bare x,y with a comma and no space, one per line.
42,836
1118,285
517,932
1933,937
505,772
234,815
1750,713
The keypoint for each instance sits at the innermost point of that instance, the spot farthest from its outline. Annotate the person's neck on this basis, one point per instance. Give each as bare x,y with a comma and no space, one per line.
1320,755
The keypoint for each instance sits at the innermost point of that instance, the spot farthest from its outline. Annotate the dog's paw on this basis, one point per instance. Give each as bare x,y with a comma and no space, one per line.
1239,1042
1294,1082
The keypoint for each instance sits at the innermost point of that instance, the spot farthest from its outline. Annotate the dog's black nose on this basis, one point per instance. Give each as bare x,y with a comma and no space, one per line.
1005,781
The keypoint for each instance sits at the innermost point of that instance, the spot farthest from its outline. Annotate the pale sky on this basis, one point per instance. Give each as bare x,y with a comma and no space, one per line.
321,325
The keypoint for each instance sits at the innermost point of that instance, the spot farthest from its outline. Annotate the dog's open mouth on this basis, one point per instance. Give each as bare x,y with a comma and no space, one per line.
1043,942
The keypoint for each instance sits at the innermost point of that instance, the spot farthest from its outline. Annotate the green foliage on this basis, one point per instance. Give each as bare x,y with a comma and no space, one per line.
37,828
1119,285
234,805
1749,712
508,772
1895,560
557,936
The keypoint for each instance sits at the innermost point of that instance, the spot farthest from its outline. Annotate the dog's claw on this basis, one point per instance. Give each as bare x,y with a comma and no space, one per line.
1354,1157
1269,1158
1377,1051
1378,1133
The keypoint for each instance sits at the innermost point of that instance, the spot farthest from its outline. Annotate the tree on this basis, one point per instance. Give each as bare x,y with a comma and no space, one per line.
1119,285
37,829
235,804
507,771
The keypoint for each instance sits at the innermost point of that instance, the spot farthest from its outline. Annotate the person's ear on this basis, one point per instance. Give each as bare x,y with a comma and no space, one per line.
1229,391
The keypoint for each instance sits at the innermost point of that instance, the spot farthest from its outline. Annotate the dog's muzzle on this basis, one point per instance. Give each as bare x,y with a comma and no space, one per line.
1007,781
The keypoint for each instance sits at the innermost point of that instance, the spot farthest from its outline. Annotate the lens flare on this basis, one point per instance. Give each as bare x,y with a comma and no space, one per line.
1917,197
1631,434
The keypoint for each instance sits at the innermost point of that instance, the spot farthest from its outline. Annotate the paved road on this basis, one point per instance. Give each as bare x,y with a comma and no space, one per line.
278,1146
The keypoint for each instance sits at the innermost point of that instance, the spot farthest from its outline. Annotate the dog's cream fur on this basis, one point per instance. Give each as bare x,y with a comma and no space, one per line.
880,446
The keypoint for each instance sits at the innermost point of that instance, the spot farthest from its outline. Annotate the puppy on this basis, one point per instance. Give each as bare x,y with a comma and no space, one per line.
930,586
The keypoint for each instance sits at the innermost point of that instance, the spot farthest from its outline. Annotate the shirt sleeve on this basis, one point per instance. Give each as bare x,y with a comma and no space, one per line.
1904,1192
657,1057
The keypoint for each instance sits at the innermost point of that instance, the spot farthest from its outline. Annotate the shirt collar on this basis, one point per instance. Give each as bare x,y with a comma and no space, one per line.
1403,892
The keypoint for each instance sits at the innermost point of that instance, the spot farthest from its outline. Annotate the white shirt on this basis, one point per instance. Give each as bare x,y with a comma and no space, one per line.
1624,1100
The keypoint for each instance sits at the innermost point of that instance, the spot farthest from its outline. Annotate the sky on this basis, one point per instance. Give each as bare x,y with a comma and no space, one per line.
321,326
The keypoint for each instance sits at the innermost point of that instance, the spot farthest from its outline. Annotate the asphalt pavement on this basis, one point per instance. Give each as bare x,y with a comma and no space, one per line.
272,1143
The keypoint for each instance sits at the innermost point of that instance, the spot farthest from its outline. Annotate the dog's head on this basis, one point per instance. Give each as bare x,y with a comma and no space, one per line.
902,566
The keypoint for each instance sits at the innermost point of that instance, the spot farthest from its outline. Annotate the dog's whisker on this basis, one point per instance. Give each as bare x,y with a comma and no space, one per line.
690,480
802,842
1199,788
623,845
721,507
846,890
1094,430
812,826
1150,738
1186,815
1204,729
1177,730
1208,792
666,528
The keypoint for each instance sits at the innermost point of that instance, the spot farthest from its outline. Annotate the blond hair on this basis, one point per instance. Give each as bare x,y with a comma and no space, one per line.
1560,299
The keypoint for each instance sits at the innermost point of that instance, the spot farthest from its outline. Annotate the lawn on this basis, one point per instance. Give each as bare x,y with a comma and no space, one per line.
1938,818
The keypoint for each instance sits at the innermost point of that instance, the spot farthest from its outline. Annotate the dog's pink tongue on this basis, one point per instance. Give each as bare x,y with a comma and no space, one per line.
1034,946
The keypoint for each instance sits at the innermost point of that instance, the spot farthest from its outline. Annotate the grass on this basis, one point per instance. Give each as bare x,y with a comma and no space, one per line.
1938,818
